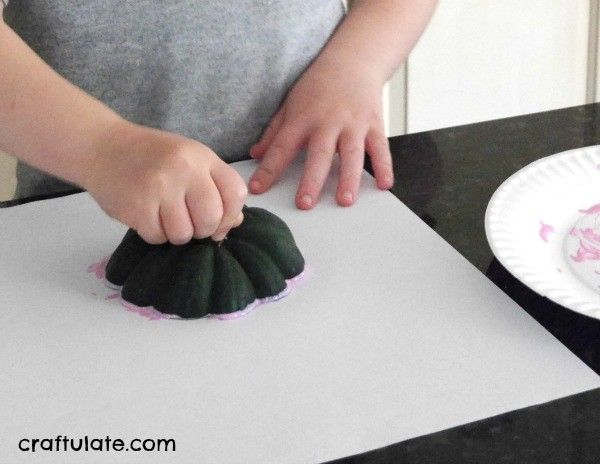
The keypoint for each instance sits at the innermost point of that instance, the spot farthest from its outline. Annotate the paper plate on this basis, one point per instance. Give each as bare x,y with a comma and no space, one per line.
543,225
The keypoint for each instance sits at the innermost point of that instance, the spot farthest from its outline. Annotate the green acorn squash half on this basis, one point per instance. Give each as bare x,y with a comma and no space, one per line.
207,277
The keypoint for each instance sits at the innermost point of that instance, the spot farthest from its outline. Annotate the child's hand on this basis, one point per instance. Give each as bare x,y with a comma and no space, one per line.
331,108
166,186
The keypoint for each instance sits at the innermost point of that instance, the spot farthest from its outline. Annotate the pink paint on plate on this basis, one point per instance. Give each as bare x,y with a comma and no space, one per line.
545,230
591,210
589,245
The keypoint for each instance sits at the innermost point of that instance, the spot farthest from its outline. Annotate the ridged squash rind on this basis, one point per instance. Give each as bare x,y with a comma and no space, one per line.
205,277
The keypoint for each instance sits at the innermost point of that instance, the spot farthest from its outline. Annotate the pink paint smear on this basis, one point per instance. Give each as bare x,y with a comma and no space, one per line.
589,244
99,268
545,230
591,210
148,312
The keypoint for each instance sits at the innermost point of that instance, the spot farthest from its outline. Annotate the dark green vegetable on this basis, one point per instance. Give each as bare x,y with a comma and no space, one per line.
204,276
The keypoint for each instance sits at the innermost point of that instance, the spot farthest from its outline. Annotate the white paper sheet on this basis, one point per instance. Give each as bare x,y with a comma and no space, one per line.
393,335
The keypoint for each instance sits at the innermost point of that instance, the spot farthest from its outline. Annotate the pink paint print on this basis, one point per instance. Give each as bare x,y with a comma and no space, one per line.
99,268
545,230
148,312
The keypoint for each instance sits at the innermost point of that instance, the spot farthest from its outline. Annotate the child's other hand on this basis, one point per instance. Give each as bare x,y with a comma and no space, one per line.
166,186
332,108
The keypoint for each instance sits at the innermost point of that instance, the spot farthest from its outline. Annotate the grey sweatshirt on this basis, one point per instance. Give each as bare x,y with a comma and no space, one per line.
212,70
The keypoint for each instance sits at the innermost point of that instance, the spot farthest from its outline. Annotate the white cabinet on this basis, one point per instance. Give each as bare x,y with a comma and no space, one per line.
488,59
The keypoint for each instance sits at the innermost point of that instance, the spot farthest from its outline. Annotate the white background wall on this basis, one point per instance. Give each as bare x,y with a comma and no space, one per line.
488,59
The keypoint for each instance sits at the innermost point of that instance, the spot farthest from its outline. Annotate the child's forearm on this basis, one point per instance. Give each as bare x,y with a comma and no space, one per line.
44,120
378,35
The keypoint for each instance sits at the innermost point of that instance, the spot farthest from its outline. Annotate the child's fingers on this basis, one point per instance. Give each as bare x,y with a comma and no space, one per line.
205,207
321,149
233,191
175,220
239,220
259,149
150,229
280,154
378,149
351,147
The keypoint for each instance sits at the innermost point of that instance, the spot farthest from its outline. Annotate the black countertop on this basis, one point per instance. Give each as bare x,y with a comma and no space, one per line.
447,177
